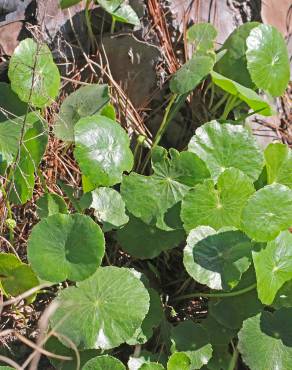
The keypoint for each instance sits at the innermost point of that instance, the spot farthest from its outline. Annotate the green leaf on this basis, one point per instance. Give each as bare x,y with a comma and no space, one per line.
102,311
284,296
50,204
203,36
34,76
84,102
220,205
151,321
147,241
67,3
268,212
273,266
279,164
233,64
10,132
219,334
11,105
145,357
225,145
31,153
53,345
192,339
122,12
15,277
109,208
220,360
260,350
217,260
179,361
104,363
102,150
267,59
149,197
191,74
251,98
6,368
72,247
151,366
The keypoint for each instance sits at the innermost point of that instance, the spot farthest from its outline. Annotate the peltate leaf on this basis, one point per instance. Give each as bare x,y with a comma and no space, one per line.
34,76
102,311
72,247
267,59
121,11
217,259
271,353
225,145
86,101
179,361
102,150
268,212
220,205
149,197
233,64
203,36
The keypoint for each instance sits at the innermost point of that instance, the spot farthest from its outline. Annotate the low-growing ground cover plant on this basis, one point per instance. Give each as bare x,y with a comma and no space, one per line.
223,201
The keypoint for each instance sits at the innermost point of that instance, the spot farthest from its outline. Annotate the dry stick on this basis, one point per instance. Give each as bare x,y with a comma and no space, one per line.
24,295
10,362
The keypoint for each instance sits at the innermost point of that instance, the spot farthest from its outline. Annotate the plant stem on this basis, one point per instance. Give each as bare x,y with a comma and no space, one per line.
233,360
88,24
219,103
113,25
163,127
229,106
217,295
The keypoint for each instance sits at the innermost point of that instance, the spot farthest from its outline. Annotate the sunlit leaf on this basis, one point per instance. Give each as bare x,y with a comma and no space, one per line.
203,36
104,363
108,316
34,76
50,204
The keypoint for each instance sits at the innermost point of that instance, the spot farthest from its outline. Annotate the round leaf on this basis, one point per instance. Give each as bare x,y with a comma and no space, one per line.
33,74
259,349
50,204
104,363
102,311
267,59
121,11
217,206
273,266
86,101
279,164
224,145
147,241
10,132
251,98
192,339
149,197
109,208
202,35
217,259
191,74
179,361
233,64
72,247
102,150
268,212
